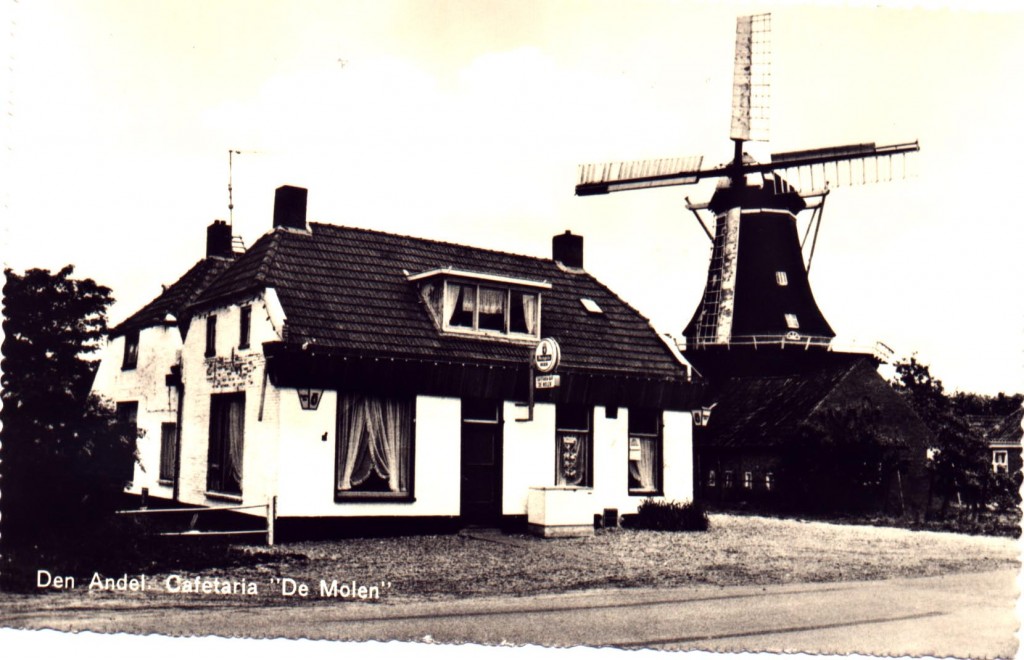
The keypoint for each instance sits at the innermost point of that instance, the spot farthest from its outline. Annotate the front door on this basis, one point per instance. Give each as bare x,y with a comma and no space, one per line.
481,461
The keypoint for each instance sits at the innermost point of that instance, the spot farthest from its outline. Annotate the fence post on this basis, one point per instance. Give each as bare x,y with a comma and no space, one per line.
271,514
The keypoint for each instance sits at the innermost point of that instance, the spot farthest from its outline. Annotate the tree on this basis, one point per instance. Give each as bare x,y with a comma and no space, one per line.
958,462
65,456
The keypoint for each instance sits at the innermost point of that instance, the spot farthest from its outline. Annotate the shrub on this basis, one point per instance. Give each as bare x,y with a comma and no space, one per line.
670,516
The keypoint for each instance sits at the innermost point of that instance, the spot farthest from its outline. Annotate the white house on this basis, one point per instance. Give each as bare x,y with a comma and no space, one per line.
365,380
142,351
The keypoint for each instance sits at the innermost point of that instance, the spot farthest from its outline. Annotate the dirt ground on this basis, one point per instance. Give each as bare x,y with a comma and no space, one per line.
737,550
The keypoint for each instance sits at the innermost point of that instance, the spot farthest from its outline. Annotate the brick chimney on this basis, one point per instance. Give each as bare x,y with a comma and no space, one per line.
290,207
218,240
567,248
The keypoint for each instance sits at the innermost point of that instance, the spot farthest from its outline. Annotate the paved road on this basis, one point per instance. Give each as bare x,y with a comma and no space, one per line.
963,615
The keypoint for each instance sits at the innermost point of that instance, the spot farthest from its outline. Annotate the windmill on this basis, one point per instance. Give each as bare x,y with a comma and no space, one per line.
757,312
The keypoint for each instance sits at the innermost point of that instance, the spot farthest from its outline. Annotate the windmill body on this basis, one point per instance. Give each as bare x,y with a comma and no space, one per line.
757,313
791,420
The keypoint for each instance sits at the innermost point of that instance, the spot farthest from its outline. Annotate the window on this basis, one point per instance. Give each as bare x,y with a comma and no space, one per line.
591,306
781,278
127,412
644,452
748,480
481,303
244,324
727,479
486,309
769,481
374,448
168,437
211,336
573,446
711,478
131,350
227,440
791,322
1000,461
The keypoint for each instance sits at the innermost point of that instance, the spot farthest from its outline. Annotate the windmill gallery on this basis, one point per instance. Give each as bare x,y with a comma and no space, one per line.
341,380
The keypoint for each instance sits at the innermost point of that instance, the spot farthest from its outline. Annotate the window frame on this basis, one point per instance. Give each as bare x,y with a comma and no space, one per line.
563,410
659,459
434,285
748,480
211,336
356,496
712,482
781,278
792,322
1003,466
475,328
244,325
130,358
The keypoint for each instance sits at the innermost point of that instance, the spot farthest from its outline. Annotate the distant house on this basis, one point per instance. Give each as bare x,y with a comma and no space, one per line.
363,379
835,438
140,353
1004,442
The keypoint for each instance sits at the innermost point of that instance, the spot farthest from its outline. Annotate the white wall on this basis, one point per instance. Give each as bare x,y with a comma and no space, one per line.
307,473
528,455
145,384
678,450
232,369
529,458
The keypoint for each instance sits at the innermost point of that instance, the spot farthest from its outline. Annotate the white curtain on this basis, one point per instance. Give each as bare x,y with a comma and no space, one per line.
236,436
375,437
642,470
391,444
491,301
530,312
451,297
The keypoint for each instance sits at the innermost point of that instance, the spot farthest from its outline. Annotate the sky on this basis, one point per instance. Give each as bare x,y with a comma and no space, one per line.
466,121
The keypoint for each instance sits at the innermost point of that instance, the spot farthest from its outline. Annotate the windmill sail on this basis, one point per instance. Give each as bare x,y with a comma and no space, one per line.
854,164
603,178
751,82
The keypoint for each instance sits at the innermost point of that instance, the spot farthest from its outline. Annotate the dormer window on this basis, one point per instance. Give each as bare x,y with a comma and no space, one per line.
479,303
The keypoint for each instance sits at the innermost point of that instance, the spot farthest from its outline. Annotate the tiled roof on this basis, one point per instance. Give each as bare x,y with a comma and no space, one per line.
346,289
1008,431
175,297
770,411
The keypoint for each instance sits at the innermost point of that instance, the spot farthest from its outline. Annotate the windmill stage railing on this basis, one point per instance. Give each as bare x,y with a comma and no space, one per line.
878,350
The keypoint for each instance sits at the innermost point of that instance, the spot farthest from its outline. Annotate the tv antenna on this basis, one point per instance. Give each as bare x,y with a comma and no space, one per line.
231,200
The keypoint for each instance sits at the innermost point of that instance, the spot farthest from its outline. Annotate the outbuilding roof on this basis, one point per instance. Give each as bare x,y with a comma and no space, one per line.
174,298
773,411
348,290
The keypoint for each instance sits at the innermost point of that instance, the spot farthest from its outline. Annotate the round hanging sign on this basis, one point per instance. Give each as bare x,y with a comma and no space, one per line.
547,355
